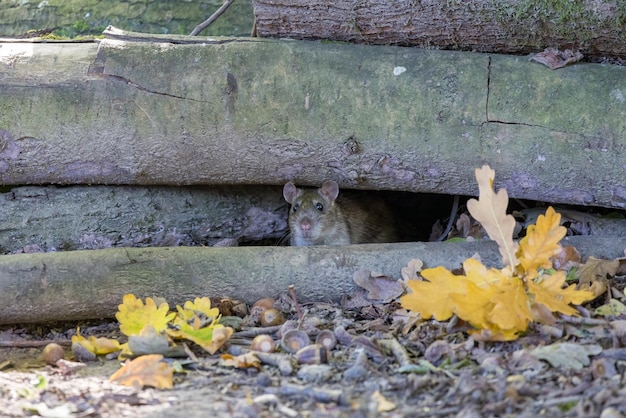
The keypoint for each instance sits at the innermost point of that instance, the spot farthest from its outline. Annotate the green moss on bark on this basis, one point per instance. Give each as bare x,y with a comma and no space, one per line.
579,19
71,18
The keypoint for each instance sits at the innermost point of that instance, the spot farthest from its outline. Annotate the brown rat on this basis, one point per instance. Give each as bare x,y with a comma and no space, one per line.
318,217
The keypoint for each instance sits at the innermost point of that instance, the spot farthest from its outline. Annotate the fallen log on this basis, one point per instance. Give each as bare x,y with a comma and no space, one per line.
595,28
76,285
34,218
244,111
75,18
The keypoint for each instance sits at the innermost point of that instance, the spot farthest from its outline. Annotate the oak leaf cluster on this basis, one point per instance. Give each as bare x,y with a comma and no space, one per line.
501,303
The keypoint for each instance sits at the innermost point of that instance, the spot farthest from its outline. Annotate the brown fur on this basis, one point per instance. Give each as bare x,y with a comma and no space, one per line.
342,219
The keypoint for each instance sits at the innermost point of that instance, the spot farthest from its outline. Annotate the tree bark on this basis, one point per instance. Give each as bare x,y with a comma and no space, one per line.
94,217
76,285
244,111
83,17
596,28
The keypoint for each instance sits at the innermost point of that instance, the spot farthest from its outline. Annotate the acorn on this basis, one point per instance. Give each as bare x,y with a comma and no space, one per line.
312,354
52,353
271,317
293,340
266,303
326,338
289,324
263,343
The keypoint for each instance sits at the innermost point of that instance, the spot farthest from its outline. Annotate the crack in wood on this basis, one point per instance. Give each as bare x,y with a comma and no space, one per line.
488,120
139,87
112,32
488,89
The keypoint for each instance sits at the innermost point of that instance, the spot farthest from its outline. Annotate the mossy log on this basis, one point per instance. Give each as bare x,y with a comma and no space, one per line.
84,17
35,218
199,111
90,284
595,28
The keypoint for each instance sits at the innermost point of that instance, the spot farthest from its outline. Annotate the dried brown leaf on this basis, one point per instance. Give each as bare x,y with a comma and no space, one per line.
595,273
380,288
242,361
554,58
146,370
411,271
566,259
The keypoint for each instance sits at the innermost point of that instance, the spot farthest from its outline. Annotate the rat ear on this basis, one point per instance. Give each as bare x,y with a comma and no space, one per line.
330,189
290,192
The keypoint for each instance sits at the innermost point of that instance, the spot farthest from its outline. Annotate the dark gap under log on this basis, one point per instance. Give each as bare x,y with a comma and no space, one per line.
53,218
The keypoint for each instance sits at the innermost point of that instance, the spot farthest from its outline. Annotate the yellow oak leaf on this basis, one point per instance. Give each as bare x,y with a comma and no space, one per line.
104,346
191,328
98,346
490,211
494,300
481,275
133,315
474,305
210,337
203,305
549,291
209,340
494,334
201,309
500,303
84,342
541,243
431,298
146,370
511,311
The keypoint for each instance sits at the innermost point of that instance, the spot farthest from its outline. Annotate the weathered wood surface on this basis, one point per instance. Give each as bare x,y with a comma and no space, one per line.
596,28
244,111
90,284
95,217
82,17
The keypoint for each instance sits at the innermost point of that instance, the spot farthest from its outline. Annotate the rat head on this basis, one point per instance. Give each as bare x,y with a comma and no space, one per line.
311,213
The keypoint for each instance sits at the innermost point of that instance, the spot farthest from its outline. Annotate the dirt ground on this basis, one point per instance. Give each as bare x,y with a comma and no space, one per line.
385,364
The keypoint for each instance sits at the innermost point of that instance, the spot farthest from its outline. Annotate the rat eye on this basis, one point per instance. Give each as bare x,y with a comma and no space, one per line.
296,207
319,206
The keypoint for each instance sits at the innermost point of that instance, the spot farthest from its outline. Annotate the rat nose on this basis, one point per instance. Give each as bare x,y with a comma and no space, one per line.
305,224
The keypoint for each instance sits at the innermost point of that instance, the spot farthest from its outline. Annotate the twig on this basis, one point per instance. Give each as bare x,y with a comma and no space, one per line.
253,332
202,26
292,292
319,395
190,353
284,362
435,411
401,355
559,401
39,343
455,207
584,321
